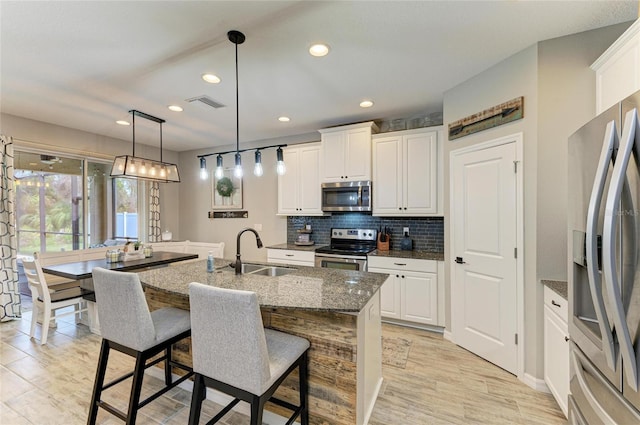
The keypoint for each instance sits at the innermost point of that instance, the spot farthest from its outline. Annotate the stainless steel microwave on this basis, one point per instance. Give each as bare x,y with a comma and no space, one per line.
346,196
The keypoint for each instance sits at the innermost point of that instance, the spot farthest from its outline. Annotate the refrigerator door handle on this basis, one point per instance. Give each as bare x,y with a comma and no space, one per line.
600,410
609,145
612,211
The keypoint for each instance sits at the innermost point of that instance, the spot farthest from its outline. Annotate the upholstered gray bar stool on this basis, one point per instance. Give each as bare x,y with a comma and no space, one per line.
127,326
235,354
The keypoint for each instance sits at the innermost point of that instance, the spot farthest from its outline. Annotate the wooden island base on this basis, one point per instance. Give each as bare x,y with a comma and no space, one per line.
345,359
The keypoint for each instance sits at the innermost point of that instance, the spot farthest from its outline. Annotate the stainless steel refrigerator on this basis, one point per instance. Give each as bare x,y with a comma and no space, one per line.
604,271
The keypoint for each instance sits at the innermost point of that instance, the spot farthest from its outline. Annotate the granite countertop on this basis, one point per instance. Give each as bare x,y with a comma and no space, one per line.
417,255
295,247
560,287
306,288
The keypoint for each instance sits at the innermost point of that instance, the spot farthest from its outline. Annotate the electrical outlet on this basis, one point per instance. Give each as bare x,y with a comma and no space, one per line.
405,230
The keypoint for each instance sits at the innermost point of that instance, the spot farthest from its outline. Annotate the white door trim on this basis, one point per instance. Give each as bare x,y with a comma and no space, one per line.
516,138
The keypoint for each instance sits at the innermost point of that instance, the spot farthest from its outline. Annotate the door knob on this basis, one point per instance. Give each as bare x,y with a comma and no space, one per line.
460,260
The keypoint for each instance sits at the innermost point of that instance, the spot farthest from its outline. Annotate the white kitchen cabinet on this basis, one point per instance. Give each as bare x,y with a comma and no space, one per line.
346,152
556,347
291,257
299,188
618,69
412,294
407,167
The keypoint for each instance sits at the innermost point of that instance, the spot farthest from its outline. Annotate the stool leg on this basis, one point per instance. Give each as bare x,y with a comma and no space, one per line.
99,382
199,393
257,407
136,389
167,366
303,371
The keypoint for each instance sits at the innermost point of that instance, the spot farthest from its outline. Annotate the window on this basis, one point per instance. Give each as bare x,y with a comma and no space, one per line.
125,193
65,203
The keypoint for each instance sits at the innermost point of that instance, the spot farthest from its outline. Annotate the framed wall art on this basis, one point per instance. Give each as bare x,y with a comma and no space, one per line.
226,192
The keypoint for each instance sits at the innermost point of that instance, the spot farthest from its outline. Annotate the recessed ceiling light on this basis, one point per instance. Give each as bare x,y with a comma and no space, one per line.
210,78
175,108
366,104
284,119
319,50
123,122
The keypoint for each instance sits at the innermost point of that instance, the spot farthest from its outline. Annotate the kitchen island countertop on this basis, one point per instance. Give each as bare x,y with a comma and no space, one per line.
306,288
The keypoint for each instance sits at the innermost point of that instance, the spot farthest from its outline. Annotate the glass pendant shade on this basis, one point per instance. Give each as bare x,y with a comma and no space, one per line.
131,166
219,170
257,169
280,167
237,171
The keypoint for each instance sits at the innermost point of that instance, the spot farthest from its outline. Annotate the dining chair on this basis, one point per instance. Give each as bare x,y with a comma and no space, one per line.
129,327
47,303
233,353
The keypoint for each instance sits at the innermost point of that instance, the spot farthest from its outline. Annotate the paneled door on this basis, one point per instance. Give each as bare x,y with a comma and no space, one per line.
484,268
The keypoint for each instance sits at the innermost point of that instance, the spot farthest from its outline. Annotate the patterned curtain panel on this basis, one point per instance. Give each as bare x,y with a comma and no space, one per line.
154,212
9,294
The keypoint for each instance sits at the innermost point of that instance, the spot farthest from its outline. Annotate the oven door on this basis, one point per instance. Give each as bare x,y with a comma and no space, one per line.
342,262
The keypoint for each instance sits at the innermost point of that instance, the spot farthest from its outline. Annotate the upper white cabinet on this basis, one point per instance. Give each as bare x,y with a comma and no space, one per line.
407,173
299,188
346,152
618,69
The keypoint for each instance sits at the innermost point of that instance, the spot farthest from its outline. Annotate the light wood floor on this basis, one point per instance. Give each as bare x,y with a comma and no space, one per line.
439,383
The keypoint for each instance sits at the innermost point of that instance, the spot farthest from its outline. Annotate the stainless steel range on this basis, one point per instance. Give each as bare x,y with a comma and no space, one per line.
348,249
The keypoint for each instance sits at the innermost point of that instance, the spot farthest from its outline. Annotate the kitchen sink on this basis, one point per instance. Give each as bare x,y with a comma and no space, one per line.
263,270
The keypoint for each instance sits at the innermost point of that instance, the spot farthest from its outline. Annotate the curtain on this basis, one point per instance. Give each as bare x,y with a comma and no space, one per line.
9,293
154,212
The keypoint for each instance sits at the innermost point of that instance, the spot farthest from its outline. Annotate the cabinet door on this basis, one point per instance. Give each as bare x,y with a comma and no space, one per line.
288,183
310,197
387,176
556,357
389,294
333,156
357,155
420,174
420,297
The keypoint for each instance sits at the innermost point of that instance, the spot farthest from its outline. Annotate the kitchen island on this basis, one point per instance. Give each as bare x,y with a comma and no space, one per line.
337,311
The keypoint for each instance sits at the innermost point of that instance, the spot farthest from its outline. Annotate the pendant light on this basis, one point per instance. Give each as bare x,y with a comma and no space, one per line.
236,37
131,166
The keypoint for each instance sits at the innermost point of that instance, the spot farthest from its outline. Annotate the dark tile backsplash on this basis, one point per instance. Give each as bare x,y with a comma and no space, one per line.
427,232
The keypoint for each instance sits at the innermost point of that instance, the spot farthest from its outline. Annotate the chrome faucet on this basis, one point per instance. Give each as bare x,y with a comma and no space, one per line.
238,263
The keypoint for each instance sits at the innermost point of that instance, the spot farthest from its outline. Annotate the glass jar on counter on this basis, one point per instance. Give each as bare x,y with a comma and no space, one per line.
148,251
112,256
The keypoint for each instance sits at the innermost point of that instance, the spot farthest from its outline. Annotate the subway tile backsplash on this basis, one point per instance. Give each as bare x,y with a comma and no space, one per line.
427,232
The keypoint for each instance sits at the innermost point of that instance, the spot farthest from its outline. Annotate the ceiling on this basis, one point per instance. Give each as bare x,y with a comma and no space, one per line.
85,64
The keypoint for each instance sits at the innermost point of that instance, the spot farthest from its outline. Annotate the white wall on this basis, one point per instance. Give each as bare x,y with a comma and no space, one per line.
559,95
54,138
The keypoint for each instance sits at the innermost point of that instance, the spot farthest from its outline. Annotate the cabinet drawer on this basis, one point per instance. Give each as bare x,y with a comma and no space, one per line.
556,303
397,263
286,255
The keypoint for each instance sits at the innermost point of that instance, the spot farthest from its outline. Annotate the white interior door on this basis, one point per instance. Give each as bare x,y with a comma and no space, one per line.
484,235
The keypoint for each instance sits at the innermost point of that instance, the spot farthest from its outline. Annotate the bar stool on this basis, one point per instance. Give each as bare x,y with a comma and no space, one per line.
128,326
235,354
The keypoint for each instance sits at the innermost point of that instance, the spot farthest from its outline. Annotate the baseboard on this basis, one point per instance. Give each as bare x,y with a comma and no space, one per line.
269,418
414,325
535,383
446,334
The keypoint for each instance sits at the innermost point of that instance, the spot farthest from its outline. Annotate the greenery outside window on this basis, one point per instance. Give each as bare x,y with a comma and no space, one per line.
65,203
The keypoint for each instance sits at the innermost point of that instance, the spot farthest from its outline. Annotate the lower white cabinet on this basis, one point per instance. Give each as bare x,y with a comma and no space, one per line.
291,256
412,292
556,347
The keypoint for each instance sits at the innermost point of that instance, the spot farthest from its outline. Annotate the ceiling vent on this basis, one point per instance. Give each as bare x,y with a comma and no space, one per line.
207,101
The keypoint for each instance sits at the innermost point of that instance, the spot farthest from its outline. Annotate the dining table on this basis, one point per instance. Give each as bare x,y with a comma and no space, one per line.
82,272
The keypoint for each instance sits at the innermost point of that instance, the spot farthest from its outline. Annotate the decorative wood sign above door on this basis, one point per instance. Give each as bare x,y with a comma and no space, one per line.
489,118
